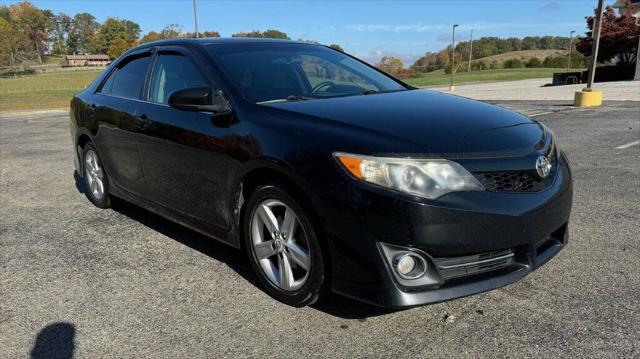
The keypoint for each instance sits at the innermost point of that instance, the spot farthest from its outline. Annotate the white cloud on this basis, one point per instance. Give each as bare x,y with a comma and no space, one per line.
550,7
395,28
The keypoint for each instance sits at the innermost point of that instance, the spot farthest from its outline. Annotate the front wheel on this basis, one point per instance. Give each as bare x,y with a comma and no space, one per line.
283,246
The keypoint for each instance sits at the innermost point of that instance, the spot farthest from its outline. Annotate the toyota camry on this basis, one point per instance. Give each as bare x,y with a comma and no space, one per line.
330,174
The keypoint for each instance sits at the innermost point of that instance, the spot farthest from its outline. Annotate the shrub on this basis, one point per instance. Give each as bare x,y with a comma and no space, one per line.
513,64
479,65
534,62
495,65
555,61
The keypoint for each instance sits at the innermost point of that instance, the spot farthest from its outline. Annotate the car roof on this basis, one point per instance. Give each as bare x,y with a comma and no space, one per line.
220,40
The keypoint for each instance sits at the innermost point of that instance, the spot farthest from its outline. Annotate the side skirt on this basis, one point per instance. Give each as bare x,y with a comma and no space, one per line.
206,229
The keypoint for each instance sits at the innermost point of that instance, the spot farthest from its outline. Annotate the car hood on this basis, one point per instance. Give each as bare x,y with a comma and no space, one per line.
438,123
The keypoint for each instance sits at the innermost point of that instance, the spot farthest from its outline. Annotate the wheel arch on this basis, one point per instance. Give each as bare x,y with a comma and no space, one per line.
264,172
82,138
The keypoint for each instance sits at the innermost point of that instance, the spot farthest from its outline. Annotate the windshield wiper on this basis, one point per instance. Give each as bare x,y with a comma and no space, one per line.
298,98
291,98
369,92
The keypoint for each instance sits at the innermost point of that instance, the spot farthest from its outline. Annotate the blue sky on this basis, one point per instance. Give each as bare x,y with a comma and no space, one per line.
367,29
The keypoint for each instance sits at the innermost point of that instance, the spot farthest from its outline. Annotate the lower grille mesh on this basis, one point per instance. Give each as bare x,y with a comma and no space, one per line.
454,267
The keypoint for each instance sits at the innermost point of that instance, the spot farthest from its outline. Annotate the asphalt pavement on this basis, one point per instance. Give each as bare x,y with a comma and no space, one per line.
127,283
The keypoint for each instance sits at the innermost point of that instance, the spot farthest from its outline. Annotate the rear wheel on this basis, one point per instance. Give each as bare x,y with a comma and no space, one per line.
283,246
95,178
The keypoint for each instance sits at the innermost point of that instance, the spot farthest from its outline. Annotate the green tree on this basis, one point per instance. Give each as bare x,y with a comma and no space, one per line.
150,36
513,64
391,65
171,31
35,23
270,33
115,29
117,47
209,34
534,62
15,45
555,61
82,32
479,65
59,33
336,47
275,34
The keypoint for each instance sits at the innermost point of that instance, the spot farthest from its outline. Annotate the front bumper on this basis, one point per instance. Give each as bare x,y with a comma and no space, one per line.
534,226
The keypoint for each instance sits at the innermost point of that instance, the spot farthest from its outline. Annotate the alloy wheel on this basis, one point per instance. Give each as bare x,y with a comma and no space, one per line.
280,245
94,174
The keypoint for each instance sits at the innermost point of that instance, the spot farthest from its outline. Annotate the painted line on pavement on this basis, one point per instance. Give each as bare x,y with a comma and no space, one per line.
622,147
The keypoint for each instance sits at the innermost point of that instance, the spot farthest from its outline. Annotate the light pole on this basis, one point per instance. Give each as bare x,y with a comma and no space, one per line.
596,44
453,56
195,18
589,97
570,48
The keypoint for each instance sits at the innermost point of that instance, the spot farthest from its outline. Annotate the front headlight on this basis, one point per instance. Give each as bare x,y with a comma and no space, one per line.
421,177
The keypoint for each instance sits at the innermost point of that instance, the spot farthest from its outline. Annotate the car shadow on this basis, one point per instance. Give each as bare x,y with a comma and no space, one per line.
55,341
79,182
335,305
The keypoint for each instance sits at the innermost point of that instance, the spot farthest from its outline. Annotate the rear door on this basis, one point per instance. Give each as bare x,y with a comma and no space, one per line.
183,152
114,106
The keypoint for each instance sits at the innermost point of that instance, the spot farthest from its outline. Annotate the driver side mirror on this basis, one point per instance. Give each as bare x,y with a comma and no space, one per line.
200,99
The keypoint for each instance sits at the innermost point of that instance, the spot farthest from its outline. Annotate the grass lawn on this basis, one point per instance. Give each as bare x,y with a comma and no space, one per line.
439,78
43,91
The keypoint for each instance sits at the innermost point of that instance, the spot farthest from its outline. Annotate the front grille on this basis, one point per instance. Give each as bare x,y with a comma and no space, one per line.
454,267
512,181
518,181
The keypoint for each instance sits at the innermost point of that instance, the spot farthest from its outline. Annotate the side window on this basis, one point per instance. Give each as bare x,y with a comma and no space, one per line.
106,87
128,80
173,72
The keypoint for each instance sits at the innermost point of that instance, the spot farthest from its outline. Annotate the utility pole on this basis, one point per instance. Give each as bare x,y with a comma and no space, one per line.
637,75
596,44
570,49
470,51
195,18
453,56
589,97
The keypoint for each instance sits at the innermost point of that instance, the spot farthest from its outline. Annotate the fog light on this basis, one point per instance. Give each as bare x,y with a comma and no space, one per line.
409,265
405,264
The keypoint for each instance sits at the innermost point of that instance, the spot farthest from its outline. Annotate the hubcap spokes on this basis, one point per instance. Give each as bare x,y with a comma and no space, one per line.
94,174
280,245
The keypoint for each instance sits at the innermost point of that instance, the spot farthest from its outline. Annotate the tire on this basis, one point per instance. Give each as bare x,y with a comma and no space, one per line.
269,252
95,178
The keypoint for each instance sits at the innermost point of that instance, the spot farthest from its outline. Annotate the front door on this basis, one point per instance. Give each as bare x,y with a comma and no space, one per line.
183,153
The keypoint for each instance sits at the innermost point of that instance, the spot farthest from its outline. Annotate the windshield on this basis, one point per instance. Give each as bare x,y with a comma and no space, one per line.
267,72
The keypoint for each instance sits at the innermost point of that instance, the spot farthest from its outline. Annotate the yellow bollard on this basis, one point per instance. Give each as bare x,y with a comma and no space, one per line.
452,88
587,98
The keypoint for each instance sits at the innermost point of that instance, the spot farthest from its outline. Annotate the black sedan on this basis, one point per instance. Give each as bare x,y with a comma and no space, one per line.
330,174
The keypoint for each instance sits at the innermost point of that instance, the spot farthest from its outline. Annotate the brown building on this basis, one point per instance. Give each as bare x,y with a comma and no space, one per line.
86,60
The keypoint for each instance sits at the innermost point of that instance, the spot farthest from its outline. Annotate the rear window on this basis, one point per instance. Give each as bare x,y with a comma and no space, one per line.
128,80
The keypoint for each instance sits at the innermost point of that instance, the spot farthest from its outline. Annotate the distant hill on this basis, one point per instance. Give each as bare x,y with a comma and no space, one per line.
485,47
523,56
